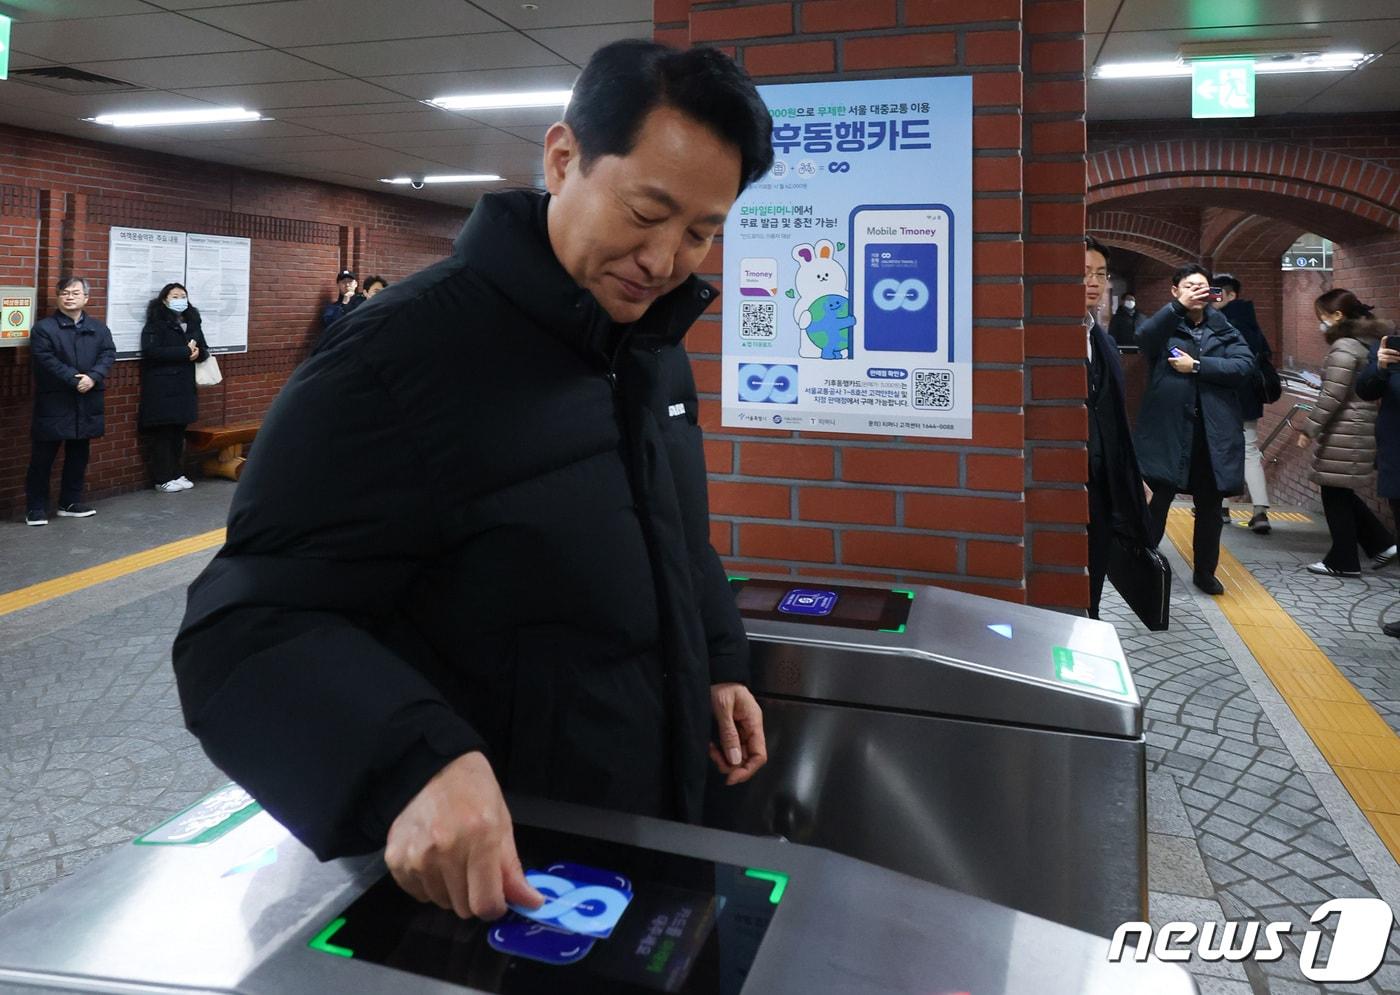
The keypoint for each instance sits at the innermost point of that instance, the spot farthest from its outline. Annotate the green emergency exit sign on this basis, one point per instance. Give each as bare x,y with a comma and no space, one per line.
1222,88
4,47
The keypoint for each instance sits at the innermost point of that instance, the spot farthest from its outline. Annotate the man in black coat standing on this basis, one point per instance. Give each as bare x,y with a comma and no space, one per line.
1190,433
473,551
1117,497
72,353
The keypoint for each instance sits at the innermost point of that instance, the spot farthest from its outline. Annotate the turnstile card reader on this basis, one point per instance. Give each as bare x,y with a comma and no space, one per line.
709,912
990,747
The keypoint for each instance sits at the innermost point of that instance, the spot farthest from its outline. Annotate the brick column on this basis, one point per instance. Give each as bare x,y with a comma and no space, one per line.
1056,416
947,512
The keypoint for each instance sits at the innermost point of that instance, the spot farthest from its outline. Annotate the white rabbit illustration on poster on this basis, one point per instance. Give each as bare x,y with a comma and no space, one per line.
823,307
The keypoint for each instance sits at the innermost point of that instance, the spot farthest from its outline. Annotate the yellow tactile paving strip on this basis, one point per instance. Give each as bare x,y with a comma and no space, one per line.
27,597
1359,744
1244,515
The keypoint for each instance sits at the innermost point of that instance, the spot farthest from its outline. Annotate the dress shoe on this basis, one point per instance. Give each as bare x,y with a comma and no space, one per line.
1391,629
1260,523
1208,584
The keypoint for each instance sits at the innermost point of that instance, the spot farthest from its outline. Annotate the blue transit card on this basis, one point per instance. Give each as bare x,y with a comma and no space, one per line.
901,297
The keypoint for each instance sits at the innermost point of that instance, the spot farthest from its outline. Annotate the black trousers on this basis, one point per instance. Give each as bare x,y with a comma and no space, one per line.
42,453
1205,495
167,451
1351,524
1100,541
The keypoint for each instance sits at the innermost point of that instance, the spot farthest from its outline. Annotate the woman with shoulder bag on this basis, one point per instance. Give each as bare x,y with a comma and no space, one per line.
172,342
1344,426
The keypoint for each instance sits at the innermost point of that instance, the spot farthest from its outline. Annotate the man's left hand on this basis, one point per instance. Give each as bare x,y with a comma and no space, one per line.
1183,363
741,749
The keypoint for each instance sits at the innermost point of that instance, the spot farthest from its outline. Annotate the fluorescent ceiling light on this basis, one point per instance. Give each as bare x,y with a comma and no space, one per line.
445,178
1314,62
496,101
155,119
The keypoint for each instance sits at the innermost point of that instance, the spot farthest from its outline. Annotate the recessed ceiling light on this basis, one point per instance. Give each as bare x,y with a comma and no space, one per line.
1301,62
495,101
445,178
156,119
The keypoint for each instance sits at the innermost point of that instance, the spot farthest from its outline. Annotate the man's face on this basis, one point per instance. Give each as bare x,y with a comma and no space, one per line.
1189,286
1227,295
72,298
1095,278
1130,303
346,286
632,228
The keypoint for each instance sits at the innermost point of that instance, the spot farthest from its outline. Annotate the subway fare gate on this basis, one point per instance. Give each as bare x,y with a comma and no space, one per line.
222,899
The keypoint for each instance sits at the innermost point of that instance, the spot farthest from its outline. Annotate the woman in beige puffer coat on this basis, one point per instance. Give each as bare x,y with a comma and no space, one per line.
1344,427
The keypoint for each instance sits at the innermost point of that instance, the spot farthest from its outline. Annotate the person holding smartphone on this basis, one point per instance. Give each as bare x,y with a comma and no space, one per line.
1190,431
1343,424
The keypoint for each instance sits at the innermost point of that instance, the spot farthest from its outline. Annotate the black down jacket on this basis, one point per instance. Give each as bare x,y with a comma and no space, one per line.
476,519
168,392
1166,421
61,349
1376,384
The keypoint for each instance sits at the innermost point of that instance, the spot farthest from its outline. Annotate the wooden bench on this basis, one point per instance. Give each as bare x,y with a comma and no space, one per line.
228,440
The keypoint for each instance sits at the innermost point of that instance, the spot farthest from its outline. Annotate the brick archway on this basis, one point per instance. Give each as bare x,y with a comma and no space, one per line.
1336,195
1158,239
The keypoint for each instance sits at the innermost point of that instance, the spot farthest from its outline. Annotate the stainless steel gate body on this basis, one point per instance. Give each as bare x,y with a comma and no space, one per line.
988,747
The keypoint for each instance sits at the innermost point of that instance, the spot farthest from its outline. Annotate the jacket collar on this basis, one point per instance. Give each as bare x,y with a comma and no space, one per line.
66,322
1367,330
506,241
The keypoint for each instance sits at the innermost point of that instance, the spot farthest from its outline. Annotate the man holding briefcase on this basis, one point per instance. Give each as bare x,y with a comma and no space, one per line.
1117,495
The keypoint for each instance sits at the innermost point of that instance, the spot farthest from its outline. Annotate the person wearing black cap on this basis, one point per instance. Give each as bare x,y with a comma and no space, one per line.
345,299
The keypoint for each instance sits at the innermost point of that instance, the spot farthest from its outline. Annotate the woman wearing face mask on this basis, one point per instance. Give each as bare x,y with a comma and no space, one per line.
171,343
1344,427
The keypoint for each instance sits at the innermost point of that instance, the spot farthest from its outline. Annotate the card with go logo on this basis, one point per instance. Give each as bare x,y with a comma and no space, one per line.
578,899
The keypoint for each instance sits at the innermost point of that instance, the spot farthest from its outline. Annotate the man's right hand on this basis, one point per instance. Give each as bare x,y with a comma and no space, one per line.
453,844
1386,358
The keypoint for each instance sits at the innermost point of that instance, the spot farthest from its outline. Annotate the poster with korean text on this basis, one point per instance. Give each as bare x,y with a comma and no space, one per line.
848,267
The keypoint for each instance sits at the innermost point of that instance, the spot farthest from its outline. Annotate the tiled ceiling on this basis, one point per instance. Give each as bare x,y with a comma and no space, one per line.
1155,30
343,80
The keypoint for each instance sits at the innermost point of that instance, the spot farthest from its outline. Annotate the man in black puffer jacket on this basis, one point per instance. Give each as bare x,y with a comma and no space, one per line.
473,545
72,353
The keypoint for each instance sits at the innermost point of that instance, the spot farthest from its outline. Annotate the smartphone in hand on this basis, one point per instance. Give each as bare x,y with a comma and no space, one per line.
1217,294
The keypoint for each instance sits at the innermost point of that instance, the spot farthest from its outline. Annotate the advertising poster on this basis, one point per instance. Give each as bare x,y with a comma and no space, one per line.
848,268
16,315
139,262
216,276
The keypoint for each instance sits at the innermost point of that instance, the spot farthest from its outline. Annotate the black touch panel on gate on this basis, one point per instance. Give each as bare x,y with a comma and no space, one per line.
811,603
691,927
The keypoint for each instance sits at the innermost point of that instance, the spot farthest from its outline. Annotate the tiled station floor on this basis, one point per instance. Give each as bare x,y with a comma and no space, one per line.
1273,759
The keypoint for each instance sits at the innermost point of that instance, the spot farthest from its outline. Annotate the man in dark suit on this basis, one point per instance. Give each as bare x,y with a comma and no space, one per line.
1117,496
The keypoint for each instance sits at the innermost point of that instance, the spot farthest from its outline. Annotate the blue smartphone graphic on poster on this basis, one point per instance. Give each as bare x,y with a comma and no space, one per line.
903,285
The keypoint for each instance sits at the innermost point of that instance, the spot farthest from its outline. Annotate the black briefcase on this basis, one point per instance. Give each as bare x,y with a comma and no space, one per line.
1144,579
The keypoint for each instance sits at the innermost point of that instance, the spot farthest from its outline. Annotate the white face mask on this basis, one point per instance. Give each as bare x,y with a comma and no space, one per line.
1130,304
1324,325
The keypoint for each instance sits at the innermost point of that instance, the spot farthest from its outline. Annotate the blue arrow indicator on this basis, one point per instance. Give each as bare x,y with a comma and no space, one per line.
1001,630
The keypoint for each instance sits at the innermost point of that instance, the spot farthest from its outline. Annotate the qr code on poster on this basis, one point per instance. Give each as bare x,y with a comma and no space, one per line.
758,320
933,389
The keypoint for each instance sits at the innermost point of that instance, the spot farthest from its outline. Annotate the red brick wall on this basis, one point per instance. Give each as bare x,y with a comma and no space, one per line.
1366,136
1003,513
61,196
